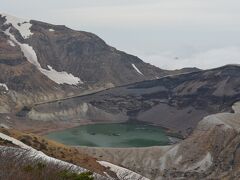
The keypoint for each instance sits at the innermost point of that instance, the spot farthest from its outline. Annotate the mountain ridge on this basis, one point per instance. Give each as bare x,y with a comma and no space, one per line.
41,61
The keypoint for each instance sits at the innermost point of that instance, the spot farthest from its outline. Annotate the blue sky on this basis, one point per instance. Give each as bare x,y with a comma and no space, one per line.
201,33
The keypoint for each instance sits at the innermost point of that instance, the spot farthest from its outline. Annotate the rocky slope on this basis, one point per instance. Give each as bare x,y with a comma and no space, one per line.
175,102
41,62
211,152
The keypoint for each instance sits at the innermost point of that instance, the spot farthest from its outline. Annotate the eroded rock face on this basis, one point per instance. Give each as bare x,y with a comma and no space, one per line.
212,151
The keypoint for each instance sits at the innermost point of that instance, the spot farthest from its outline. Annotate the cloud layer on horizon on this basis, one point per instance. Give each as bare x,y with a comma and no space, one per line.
204,60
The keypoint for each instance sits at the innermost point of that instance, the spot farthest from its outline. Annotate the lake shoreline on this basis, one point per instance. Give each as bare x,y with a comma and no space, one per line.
120,135
44,128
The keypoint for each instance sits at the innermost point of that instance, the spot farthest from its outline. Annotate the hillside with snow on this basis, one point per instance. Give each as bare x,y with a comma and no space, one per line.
40,62
55,78
27,151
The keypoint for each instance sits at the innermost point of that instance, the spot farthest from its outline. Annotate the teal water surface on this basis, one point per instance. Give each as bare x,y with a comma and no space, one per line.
112,135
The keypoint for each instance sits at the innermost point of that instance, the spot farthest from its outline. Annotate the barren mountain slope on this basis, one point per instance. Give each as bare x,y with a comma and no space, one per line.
175,102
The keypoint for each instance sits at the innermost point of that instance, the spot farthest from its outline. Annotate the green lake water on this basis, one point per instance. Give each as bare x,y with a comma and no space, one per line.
112,135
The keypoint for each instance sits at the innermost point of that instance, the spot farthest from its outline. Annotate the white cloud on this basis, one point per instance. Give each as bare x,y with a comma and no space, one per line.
163,12
204,60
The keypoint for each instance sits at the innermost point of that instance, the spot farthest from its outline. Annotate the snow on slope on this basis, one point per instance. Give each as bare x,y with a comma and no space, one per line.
40,155
23,26
58,77
123,173
61,77
11,43
30,154
133,65
236,107
4,86
16,142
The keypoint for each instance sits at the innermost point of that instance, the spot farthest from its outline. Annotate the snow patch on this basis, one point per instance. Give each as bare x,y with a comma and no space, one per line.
51,30
23,26
61,77
122,173
133,65
236,107
4,126
11,43
4,86
38,154
58,77
27,50
16,142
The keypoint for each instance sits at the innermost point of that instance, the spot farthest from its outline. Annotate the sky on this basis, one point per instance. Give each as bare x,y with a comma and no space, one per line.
170,34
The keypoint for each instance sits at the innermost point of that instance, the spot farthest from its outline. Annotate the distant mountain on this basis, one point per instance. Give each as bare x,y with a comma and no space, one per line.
41,61
175,102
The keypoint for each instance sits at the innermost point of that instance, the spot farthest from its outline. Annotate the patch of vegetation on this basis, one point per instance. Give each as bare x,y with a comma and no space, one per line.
68,175
18,165
39,168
